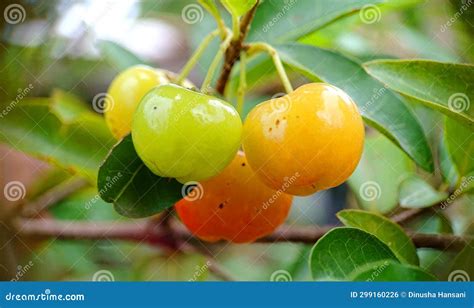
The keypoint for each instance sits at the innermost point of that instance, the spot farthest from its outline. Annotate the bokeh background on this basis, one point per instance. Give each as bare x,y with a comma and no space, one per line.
77,47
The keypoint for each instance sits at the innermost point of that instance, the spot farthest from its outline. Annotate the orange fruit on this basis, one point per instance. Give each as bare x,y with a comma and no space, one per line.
305,141
235,206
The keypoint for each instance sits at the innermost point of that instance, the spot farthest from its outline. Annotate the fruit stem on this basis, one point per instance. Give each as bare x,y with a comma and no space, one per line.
242,82
235,27
215,62
196,56
259,47
211,7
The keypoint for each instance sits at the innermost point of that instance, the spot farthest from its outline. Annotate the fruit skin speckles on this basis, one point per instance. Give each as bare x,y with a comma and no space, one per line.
186,135
315,131
235,206
126,91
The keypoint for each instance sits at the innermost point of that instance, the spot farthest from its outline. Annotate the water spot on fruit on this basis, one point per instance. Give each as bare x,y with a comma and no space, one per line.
313,186
221,206
277,122
243,164
270,129
154,107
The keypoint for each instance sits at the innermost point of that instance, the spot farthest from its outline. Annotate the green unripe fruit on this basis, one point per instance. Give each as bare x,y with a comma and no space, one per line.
186,135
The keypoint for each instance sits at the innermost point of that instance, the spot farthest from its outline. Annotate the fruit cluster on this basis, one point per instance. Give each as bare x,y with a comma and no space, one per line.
308,140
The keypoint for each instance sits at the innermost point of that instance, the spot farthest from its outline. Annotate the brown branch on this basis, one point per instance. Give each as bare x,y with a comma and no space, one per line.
232,53
143,231
407,215
213,265
53,196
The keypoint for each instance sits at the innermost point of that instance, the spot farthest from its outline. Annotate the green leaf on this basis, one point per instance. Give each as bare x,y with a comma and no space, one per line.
416,193
59,131
379,173
342,250
84,204
238,7
210,6
67,106
446,164
460,144
279,21
131,186
388,270
384,229
431,222
463,265
120,57
446,87
380,108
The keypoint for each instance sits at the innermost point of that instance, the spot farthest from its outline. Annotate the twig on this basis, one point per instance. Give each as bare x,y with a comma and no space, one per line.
406,215
53,196
233,52
212,263
143,232
439,241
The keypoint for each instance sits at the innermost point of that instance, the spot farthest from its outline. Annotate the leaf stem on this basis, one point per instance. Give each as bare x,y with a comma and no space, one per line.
211,7
235,27
242,82
196,56
215,62
259,47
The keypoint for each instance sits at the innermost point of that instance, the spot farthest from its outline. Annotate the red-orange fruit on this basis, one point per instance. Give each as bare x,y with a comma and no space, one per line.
234,206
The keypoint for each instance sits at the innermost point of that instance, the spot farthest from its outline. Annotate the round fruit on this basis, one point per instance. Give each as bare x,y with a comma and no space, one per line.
235,206
186,135
308,140
126,91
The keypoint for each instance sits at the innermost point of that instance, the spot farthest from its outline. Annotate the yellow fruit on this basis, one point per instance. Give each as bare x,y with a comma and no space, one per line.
308,140
126,92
